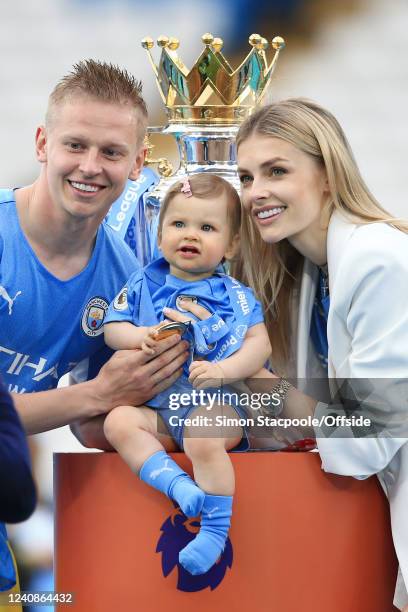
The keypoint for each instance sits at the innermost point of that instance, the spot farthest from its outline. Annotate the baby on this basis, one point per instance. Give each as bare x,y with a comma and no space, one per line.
198,228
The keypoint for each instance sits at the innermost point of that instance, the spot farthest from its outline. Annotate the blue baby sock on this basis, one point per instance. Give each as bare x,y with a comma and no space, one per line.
162,473
201,553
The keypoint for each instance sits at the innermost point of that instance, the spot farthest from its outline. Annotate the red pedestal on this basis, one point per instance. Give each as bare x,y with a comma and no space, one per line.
301,539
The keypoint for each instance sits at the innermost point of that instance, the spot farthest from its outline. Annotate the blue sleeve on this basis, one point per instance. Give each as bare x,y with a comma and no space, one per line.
17,489
126,305
256,315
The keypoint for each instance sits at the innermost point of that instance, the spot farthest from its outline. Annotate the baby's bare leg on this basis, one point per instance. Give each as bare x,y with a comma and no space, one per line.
207,448
134,434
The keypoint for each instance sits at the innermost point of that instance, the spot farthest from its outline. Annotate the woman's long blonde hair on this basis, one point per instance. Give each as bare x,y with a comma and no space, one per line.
277,268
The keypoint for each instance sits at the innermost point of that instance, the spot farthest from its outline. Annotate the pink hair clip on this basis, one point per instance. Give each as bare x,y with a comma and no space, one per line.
186,188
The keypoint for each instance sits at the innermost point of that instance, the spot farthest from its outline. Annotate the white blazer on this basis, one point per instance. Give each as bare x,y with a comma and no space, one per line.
367,331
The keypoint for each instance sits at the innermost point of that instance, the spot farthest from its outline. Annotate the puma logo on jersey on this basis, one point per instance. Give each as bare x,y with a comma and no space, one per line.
10,301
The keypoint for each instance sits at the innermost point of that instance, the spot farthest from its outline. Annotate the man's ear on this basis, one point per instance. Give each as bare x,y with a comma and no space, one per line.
138,164
41,144
232,249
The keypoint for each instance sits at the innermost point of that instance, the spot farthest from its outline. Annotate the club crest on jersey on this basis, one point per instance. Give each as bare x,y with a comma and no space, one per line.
120,301
94,315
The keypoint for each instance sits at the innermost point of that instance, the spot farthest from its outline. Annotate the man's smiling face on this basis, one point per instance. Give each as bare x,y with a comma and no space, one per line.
90,149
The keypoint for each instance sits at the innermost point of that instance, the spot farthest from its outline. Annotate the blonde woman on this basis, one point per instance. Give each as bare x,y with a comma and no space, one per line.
331,268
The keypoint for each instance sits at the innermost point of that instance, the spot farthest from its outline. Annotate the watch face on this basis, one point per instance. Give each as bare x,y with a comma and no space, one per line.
187,298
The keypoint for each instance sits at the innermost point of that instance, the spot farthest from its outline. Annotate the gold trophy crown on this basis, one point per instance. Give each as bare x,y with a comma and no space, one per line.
212,92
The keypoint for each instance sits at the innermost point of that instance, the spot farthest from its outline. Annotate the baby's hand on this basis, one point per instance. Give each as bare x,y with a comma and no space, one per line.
205,374
149,344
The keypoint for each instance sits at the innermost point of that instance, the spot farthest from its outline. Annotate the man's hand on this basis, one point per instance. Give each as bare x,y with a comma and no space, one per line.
129,378
205,374
133,377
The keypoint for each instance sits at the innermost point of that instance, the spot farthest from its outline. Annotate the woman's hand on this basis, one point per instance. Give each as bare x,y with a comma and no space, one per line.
199,311
263,381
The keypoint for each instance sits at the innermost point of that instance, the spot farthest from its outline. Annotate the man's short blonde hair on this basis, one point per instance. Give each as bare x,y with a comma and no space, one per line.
104,82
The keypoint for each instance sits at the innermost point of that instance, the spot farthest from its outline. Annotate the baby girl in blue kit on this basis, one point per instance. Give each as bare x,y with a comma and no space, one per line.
198,228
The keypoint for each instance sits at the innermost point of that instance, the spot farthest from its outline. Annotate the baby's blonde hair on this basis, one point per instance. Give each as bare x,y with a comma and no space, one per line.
207,186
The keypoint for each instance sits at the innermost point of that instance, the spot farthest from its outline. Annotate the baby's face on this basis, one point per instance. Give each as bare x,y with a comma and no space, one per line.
196,235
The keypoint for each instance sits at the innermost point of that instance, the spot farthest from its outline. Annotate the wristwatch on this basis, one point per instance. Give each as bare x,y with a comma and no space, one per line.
280,390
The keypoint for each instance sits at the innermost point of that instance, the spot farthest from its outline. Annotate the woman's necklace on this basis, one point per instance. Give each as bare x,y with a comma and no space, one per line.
325,280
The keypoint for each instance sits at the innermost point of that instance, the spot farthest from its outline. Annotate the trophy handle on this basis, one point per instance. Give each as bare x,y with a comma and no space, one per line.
164,166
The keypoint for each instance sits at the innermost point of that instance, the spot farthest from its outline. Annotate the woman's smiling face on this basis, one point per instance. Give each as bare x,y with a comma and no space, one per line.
283,189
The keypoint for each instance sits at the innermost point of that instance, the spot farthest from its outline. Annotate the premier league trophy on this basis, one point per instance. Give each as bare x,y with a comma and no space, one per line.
204,106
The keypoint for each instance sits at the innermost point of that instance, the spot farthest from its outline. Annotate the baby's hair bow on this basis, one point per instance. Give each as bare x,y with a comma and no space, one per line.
186,188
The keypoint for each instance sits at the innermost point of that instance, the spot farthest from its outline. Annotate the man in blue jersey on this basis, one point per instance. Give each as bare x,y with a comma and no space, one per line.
61,265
